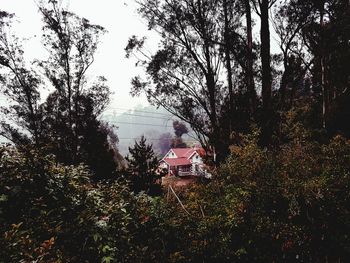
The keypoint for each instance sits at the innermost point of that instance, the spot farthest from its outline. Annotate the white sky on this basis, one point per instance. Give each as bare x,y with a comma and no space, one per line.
119,17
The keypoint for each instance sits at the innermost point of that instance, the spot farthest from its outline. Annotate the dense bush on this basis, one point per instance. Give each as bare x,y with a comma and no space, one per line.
285,205
52,213
289,204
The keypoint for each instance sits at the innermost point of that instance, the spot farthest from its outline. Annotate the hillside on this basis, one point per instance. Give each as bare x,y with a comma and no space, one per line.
149,121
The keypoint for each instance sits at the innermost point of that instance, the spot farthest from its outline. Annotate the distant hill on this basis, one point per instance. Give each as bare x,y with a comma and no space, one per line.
148,121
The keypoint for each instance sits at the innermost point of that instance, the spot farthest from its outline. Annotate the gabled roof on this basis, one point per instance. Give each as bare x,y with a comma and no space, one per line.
183,156
187,152
177,161
199,151
182,152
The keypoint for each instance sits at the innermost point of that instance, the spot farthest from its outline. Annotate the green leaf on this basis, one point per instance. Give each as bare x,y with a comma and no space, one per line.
107,259
106,248
3,198
96,237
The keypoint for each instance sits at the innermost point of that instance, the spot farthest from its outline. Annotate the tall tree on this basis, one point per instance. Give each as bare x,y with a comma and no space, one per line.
324,21
228,55
250,58
262,8
66,123
72,42
293,51
21,85
191,74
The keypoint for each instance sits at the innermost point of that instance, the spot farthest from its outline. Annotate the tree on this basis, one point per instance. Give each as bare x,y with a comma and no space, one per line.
250,57
142,166
72,42
188,75
262,9
292,52
66,124
319,23
20,85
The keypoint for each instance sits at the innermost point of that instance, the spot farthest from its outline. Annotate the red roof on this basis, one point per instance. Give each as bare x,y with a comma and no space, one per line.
177,161
182,152
183,156
188,152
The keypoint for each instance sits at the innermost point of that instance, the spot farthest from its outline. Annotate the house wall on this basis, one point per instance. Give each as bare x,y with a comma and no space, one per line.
170,154
196,159
197,163
195,166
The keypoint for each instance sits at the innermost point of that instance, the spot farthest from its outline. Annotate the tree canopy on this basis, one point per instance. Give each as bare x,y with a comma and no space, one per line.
211,73
66,123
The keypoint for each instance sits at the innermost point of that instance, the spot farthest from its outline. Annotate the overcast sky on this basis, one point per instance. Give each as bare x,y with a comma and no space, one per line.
119,17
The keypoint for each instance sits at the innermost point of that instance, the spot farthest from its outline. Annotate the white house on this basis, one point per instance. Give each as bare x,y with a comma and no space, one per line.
184,162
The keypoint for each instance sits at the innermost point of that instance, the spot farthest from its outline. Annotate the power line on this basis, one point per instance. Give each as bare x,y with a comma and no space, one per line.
153,117
144,124
158,113
148,139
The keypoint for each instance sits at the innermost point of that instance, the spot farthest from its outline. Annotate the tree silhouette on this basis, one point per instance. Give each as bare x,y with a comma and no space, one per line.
66,124
142,166
188,71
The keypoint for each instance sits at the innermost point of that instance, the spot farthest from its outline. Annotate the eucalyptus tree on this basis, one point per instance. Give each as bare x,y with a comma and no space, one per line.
71,42
295,57
262,8
250,56
192,73
20,85
324,34
66,122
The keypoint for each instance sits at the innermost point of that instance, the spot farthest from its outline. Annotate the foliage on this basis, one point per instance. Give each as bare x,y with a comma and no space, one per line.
66,123
142,168
289,205
285,205
295,198
193,77
187,74
285,202
53,213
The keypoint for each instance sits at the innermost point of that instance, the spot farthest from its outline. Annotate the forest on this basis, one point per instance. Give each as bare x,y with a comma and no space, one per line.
263,85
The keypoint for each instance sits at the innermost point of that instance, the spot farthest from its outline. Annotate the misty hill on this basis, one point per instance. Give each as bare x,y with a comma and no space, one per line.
155,124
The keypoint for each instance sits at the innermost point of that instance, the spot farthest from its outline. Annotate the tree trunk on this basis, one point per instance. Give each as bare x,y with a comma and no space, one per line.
266,72
250,73
284,81
209,76
228,60
323,84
